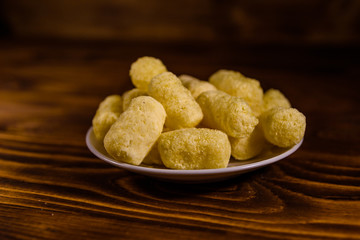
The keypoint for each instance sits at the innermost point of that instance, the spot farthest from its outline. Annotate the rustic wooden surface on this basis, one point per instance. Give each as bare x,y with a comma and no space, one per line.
52,187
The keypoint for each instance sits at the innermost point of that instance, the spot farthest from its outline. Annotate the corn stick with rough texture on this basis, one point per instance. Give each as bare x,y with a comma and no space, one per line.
144,69
248,147
106,114
196,86
137,129
274,98
230,114
130,95
194,148
181,108
283,127
153,157
236,84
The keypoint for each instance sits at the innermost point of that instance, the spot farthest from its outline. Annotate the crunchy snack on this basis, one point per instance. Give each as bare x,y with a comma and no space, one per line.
235,84
227,113
223,73
153,157
196,86
248,147
181,108
274,98
106,114
154,123
283,127
144,69
134,133
129,95
194,148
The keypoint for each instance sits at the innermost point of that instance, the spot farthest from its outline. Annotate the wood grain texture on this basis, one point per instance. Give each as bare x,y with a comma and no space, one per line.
52,187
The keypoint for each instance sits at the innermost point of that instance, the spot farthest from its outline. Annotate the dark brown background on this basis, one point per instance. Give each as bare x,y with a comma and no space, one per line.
256,21
59,59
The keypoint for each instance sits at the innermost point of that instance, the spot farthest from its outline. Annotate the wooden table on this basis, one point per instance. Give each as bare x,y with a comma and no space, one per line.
52,187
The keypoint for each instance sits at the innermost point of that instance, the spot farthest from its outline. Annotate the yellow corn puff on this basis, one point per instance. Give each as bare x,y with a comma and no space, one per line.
223,73
248,147
274,98
137,129
235,84
283,127
129,95
181,108
196,86
153,157
230,114
106,114
194,148
144,69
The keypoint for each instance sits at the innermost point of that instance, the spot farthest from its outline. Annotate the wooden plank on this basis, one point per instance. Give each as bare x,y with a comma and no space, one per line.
52,187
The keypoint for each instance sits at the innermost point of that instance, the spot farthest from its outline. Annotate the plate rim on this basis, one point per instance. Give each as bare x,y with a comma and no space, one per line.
152,170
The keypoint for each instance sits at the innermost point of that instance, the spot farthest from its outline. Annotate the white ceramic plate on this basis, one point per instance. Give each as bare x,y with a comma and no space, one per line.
193,176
